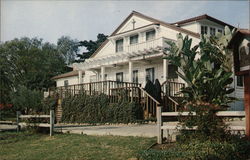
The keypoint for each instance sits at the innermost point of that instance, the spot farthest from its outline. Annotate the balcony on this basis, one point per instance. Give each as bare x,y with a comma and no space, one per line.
136,51
154,44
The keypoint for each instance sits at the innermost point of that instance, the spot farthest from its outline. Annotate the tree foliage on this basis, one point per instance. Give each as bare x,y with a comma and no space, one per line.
91,47
29,63
27,100
68,48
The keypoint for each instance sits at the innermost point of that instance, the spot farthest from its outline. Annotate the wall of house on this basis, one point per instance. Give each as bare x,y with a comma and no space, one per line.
71,81
193,26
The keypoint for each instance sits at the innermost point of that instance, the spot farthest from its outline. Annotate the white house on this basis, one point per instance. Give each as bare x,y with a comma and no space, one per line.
134,51
69,78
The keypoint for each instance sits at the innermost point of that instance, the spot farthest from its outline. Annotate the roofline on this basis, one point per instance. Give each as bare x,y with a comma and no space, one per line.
196,35
239,33
64,75
204,16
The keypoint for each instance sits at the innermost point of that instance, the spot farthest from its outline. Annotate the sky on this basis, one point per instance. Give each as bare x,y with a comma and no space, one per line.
83,20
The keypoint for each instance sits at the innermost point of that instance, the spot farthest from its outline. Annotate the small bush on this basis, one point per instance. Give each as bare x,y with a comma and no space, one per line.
97,109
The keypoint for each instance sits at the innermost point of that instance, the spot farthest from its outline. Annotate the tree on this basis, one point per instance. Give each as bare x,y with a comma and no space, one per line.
91,47
29,63
68,48
206,68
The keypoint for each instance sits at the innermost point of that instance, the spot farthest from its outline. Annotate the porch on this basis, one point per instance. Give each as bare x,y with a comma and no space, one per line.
132,92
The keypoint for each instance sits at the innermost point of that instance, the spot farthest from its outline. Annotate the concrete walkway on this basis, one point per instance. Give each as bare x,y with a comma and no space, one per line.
143,130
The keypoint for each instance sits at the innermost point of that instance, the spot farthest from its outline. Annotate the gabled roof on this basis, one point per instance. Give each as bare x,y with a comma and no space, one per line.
68,74
240,33
153,20
201,17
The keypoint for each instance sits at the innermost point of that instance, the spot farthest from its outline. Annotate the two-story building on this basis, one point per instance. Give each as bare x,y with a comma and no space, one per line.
134,51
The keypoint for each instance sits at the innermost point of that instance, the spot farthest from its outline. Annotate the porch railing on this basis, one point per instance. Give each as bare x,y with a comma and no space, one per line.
171,95
137,95
93,88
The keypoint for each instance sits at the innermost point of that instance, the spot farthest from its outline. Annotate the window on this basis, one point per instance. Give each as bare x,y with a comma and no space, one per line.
150,74
212,31
239,81
203,29
105,77
150,35
66,83
119,45
219,30
172,71
135,76
133,39
119,77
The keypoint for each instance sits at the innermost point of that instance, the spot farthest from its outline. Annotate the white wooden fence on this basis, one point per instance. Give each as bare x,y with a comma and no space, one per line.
161,127
51,116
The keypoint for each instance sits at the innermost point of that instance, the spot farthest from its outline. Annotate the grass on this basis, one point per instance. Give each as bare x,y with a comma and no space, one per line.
25,145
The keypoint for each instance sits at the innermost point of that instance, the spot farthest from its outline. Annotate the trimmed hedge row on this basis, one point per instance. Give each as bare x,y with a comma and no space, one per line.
97,109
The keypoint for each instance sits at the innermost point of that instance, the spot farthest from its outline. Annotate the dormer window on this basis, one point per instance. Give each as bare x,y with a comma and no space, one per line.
119,45
212,31
203,29
133,39
150,35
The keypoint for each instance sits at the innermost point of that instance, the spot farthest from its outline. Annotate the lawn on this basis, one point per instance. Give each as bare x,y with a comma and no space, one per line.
27,146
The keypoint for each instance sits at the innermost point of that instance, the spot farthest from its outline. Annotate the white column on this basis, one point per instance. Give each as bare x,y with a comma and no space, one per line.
165,70
79,77
102,73
130,71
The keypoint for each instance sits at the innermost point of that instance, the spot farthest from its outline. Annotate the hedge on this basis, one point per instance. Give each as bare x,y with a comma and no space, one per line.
84,108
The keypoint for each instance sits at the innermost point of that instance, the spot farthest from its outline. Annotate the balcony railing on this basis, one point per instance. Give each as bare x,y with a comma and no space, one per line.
151,44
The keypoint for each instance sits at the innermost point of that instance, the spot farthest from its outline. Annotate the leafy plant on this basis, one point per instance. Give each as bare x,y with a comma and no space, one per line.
26,100
206,68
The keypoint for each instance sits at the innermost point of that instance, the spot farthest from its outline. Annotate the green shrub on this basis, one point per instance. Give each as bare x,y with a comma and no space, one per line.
97,109
234,149
49,103
26,100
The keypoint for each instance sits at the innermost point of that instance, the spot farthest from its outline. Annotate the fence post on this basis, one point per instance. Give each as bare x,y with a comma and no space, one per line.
159,124
17,121
51,122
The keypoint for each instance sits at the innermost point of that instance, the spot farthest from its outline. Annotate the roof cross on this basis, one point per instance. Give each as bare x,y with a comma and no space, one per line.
133,22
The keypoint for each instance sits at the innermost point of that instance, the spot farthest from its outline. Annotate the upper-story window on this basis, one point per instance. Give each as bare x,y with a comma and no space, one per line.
133,39
220,30
212,31
150,35
203,29
119,45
